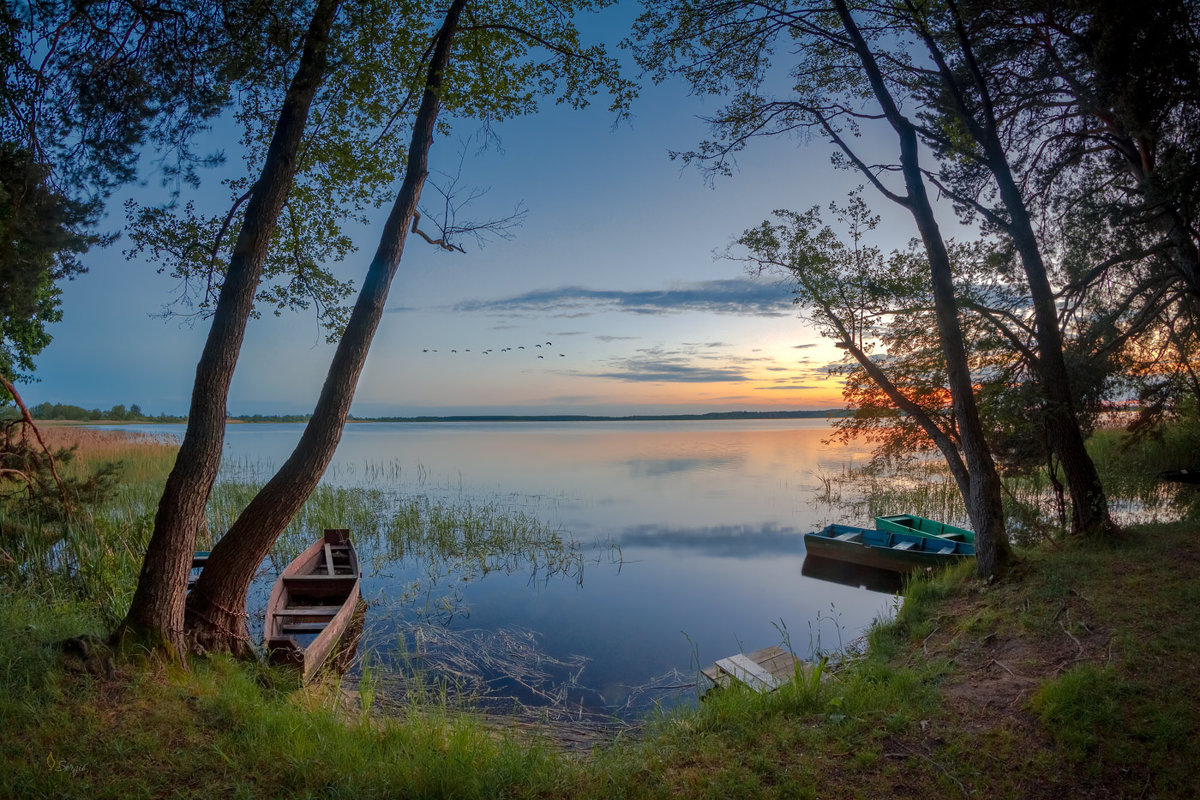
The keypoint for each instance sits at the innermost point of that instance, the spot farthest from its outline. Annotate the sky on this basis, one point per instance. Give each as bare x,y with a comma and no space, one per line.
611,298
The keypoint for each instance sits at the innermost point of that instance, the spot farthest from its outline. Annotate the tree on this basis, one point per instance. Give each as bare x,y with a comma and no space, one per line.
85,85
841,82
156,613
962,126
469,86
43,234
1103,98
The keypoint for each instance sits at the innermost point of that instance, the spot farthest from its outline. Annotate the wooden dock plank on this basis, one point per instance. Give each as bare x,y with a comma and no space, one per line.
762,670
749,673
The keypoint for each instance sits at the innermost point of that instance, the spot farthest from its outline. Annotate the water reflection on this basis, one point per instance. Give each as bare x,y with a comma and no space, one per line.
847,574
688,538
723,541
649,468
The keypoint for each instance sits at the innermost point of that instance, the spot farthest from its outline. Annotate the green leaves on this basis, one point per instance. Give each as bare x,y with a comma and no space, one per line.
42,235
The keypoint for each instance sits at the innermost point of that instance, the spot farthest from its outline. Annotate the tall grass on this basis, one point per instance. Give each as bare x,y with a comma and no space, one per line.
1128,469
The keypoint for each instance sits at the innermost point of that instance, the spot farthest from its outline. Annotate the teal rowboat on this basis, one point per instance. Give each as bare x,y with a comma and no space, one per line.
920,526
898,552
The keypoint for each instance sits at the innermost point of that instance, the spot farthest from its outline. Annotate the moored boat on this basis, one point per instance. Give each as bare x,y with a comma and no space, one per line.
890,550
920,526
312,603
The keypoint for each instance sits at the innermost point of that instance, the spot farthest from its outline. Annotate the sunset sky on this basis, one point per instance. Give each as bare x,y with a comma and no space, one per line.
615,273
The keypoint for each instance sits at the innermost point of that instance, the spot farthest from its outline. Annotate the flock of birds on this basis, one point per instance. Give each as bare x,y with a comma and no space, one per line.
502,350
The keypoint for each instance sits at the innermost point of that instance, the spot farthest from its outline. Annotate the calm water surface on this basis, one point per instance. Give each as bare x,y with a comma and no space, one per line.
690,535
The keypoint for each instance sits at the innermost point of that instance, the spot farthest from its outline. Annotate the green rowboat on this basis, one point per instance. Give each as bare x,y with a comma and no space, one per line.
920,526
898,552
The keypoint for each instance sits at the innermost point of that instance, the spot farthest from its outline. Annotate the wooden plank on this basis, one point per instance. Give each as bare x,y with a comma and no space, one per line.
308,611
328,559
749,673
903,545
303,627
777,661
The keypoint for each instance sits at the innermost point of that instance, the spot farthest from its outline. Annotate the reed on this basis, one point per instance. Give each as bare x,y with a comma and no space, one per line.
143,457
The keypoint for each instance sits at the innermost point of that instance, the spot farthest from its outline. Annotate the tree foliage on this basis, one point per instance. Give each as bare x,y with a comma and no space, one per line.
85,87
355,145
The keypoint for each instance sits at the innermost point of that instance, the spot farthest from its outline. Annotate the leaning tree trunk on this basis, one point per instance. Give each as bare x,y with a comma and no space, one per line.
156,615
216,616
983,498
1089,505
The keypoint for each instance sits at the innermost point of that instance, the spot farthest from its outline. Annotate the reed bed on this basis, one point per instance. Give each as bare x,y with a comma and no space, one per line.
142,456
922,485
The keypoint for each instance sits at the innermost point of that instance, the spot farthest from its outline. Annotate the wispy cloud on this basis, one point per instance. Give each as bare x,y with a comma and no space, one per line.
670,366
734,296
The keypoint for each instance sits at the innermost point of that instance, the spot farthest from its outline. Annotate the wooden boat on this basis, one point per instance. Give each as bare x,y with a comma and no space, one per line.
911,523
312,603
898,552
199,559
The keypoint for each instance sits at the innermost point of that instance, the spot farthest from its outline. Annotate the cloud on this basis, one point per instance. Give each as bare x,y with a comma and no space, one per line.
646,370
734,296
804,346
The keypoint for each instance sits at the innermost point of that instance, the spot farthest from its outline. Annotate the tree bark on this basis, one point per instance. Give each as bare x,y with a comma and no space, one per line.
216,614
983,497
156,615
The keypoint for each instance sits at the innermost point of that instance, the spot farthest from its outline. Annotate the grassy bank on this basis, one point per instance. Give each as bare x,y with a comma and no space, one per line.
1071,679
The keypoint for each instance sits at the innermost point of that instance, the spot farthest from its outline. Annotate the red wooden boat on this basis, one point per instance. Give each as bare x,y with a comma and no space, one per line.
312,603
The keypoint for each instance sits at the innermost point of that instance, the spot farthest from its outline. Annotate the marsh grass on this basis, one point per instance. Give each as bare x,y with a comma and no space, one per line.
1129,469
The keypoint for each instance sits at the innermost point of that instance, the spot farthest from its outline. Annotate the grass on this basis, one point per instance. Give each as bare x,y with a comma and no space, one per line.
1072,678
1052,684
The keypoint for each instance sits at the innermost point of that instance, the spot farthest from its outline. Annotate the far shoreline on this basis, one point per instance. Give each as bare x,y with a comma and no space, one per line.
714,416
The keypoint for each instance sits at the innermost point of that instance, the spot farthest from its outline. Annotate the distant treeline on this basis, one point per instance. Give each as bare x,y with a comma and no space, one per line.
118,413
134,413
716,415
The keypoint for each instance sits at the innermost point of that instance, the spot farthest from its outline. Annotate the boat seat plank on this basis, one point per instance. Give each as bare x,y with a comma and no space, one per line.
903,545
318,576
308,611
319,587
745,670
303,627
847,537
945,551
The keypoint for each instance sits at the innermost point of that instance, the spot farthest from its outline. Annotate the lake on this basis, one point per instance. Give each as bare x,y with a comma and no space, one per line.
686,542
